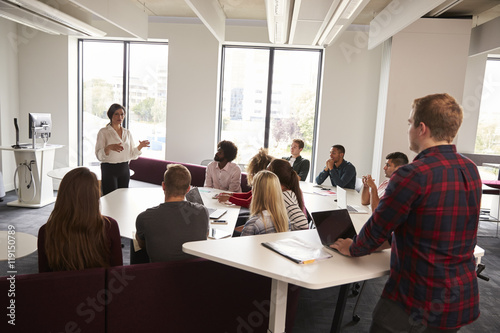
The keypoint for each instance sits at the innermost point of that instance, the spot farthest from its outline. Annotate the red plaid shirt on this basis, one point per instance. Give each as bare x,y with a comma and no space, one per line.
430,210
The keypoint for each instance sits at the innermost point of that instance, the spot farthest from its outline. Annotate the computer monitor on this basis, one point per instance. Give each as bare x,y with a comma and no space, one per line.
41,124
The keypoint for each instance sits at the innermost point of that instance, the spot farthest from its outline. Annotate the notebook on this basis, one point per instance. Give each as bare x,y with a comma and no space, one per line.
194,196
332,225
342,203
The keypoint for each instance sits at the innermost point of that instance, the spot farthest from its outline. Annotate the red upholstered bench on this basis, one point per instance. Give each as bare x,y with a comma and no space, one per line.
55,302
195,295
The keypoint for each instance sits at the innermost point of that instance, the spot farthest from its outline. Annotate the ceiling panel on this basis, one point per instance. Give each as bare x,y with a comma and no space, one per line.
306,32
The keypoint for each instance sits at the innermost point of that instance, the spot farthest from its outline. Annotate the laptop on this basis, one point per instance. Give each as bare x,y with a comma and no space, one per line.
194,196
332,225
342,203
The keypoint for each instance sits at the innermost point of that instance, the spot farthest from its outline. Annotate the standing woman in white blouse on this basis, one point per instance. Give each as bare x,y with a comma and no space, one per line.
115,148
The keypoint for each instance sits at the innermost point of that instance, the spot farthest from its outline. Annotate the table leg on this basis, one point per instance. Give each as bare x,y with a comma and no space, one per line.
339,308
277,311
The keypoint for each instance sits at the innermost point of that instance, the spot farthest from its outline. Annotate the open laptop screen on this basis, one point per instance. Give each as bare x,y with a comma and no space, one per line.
332,225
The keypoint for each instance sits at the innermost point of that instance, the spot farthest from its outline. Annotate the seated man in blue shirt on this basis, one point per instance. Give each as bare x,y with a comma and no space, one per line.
341,172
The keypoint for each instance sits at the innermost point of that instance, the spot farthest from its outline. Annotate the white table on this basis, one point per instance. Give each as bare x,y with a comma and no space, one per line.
24,244
315,202
61,172
248,254
124,204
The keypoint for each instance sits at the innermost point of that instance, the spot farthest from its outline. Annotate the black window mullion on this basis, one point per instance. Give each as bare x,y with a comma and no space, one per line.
221,93
80,102
316,110
269,98
126,81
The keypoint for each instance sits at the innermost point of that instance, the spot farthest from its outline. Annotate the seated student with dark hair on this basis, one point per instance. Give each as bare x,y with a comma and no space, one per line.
257,163
222,173
292,194
340,172
163,229
299,164
370,194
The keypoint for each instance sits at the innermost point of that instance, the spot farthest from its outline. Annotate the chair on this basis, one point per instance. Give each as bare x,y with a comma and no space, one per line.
359,184
206,162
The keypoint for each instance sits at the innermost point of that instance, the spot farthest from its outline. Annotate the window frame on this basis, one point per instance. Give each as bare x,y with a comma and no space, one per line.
126,83
269,92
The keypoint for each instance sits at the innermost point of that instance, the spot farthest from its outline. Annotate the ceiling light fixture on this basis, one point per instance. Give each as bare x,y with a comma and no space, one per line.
278,20
38,15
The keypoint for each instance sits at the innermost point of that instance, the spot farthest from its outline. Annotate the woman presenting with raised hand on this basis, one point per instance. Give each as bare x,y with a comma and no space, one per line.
115,148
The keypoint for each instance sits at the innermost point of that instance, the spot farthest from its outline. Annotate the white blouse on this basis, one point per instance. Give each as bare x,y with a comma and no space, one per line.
107,136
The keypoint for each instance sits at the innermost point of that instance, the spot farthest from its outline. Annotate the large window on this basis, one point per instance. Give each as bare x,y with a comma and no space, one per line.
129,73
269,97
488,128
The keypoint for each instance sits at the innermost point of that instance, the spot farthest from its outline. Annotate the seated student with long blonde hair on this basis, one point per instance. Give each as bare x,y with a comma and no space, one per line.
267,209
76,235
292,194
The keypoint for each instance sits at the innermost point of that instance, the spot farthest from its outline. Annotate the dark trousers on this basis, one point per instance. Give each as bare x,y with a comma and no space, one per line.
389,317
114,176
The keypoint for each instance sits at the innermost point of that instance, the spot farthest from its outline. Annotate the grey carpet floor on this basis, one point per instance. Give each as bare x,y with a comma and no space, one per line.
315,307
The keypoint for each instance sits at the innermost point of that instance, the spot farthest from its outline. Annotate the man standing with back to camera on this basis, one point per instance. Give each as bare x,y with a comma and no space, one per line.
430,214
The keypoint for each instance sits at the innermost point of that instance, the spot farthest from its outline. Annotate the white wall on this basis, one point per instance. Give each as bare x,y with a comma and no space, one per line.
47,85
9,98
349,101
429,56
193,63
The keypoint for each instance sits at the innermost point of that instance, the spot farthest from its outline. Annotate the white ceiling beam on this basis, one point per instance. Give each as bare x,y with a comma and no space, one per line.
123,14
485,38
395,17
212,15
295,18
351,11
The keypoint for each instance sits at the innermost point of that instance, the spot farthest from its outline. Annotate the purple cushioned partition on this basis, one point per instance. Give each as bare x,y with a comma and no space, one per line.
151,171
148,170
195,295
197,173
492,187
55,302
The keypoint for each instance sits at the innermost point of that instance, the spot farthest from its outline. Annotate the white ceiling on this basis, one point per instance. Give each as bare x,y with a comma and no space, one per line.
256,9
308,19
297,22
